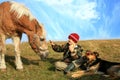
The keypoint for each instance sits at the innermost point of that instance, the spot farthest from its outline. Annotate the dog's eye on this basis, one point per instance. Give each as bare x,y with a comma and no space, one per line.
92,53
87,53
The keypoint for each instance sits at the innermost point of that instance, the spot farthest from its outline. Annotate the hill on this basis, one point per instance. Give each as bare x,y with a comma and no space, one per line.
35,69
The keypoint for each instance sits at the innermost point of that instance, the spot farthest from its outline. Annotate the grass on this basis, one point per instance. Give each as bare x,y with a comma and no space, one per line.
34,69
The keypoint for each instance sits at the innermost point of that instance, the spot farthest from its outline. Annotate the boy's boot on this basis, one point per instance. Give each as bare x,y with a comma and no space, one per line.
69,68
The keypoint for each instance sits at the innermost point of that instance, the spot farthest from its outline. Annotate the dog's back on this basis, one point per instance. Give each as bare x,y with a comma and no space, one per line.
105,65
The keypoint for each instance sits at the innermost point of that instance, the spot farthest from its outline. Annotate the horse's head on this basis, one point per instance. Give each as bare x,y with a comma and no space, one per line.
39,44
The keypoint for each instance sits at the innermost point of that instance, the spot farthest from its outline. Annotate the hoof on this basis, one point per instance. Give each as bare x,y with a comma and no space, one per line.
19,69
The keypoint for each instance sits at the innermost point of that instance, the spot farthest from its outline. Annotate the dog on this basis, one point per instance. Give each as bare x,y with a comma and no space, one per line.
96,65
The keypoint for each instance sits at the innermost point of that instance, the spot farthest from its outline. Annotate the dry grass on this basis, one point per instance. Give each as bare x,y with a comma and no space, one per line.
34,69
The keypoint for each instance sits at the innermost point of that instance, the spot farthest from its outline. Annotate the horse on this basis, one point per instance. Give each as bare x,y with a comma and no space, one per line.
96,65
16,19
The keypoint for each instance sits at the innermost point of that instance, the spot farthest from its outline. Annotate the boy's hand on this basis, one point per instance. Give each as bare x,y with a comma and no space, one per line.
71,48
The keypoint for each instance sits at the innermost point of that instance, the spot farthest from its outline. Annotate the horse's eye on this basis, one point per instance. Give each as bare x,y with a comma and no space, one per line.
42,39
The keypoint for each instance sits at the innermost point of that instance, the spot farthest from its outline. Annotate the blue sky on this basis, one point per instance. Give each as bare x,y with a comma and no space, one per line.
91,19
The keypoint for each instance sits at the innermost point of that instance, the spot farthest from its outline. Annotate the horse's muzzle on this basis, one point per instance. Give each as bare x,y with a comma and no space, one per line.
44,54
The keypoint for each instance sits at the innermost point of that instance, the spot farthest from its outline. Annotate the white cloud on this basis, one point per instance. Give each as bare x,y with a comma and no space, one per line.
81,12
82,9
86,11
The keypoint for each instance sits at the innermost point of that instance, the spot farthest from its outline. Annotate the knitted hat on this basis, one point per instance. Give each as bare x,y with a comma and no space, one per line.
74,37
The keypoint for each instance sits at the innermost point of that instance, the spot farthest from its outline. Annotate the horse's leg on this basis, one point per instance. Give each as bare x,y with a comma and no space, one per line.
18,61
2,52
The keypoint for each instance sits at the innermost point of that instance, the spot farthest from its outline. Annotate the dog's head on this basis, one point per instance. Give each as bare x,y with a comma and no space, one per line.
91,56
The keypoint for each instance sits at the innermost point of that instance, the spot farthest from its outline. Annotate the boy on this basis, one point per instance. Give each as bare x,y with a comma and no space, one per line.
72,51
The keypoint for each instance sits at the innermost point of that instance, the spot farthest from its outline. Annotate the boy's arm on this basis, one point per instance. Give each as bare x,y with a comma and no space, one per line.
77,53
57,48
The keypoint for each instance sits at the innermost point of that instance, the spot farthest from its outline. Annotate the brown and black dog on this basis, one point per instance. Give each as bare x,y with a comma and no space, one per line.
96,65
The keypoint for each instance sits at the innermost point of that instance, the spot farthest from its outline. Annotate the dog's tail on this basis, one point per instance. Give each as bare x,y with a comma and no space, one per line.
114,71
119,73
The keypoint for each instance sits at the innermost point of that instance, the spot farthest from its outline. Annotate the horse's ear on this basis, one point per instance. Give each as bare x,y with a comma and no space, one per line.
96,53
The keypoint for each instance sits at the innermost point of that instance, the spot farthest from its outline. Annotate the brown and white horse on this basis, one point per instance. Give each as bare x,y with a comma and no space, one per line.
16,19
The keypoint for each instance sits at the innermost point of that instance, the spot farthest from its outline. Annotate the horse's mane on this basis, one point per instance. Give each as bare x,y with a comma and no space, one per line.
21,10
43,30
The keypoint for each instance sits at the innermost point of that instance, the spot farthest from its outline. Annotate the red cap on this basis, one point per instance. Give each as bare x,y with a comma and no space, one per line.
74,37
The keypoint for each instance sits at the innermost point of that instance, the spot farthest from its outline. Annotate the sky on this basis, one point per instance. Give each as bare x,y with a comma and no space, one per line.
91,19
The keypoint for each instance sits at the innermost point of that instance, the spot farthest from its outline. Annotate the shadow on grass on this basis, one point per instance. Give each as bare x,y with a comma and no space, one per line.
11,61
94,77
52,61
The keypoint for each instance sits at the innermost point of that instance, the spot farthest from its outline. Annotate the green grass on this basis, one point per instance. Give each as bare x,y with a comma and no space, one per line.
34,69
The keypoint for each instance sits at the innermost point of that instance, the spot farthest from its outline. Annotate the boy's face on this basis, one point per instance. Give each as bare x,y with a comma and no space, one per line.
71,42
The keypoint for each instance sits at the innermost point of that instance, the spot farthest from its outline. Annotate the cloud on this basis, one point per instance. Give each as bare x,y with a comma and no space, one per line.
83,15
79,14
82,9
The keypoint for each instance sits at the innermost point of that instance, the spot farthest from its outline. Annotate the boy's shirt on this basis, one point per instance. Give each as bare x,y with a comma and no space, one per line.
67,55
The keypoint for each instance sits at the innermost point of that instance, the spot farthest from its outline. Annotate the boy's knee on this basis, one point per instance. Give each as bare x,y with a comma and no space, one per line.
60,65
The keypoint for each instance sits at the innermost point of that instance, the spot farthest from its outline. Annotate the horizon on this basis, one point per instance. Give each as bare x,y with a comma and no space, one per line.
78,41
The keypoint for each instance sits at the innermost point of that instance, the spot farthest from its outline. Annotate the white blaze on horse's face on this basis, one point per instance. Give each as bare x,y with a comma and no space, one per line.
42,47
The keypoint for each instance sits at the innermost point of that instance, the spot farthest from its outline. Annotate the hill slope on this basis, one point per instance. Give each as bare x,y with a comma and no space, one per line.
34,69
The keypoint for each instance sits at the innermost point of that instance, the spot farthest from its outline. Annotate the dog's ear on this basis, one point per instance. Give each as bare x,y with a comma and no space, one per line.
96,54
